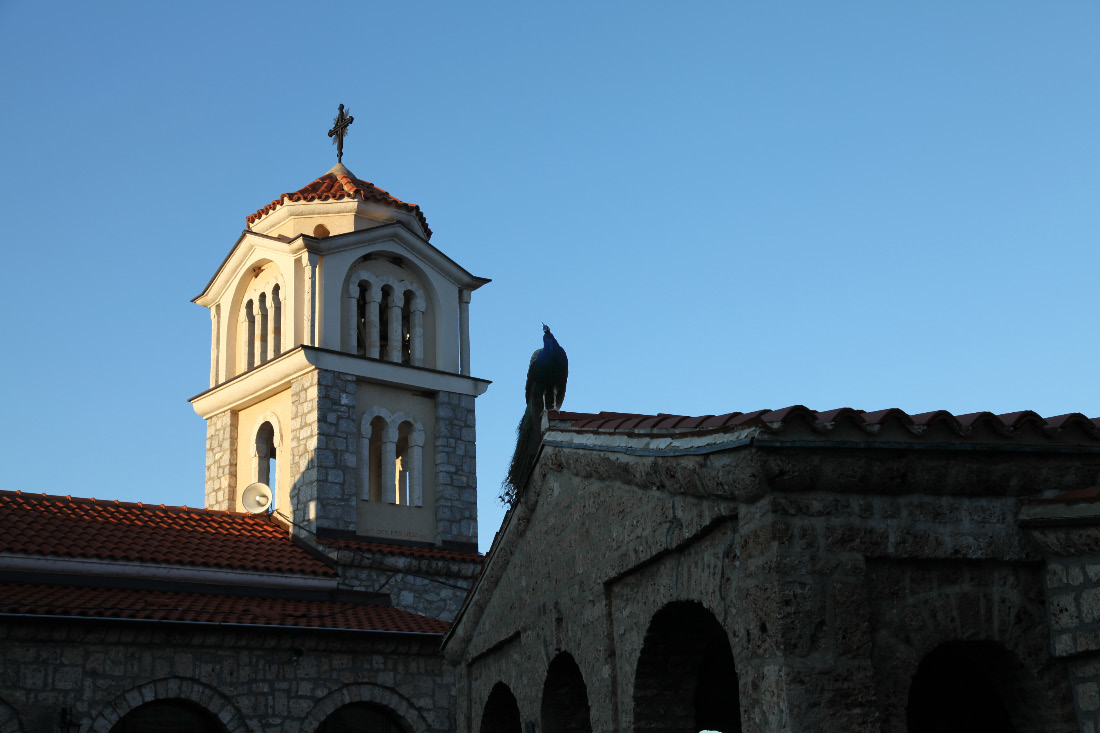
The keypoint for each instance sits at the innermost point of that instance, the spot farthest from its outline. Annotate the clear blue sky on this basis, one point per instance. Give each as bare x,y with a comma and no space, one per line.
716,206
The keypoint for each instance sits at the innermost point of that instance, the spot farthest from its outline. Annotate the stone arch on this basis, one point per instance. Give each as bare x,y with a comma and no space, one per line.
9,719
394,702
685,677
991,608
501,711
166,689
565,707
963,686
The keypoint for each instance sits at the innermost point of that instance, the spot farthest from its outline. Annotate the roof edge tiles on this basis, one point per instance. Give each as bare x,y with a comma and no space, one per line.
1069,427
340,183
78,528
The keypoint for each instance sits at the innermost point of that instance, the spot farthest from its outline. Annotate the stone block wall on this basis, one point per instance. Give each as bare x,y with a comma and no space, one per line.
221,461
433,588
456,468
830,599
251,680
324,444
1072,584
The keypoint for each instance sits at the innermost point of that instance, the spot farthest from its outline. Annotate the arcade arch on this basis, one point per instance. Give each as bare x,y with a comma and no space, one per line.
501,714
685,678
565,706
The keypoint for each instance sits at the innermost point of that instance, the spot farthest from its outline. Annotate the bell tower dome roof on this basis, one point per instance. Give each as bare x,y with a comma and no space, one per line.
339,185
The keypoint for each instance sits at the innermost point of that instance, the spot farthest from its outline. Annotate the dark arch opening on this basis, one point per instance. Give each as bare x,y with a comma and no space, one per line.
168,716
501,713
685,679
960,686
565,698
361,717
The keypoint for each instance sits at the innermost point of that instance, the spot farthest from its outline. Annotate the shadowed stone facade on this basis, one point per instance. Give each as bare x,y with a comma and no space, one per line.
834,577
250,680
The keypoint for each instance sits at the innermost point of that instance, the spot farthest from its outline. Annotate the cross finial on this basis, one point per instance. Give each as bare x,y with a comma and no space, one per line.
339,130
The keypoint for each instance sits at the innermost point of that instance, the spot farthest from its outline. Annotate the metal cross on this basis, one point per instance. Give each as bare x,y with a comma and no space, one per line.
338,131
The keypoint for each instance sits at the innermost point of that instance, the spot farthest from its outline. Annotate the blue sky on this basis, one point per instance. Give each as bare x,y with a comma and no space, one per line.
716,207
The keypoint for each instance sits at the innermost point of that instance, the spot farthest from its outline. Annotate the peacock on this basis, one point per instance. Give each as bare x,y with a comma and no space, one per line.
545,391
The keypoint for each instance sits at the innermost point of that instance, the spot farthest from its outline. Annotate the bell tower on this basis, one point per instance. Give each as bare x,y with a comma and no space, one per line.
340,369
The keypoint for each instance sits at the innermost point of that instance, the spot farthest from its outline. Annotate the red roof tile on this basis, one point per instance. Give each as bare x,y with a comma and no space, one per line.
429,553
128,603
337,184
63,526
772,420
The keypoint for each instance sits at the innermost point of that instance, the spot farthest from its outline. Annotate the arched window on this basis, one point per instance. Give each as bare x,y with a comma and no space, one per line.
276,321
385,318
407,327
375,436
265,454
391,452
501,713
565,698
685,679
261,332
320,231
177,716
360,717
249,345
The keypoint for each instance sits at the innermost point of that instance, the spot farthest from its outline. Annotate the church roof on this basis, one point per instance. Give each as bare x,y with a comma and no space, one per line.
142,604
969,425
337,184
72,527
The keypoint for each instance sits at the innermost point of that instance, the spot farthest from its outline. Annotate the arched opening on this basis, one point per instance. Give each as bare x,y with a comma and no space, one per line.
265,454
168,716
263,327
565,698
384,316
962,686
501,714
403,466
406,327
685,679
374,459
363,319
361,717
250,334
276,322
320,231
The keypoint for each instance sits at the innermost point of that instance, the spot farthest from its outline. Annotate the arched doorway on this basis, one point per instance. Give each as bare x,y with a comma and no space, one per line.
685,679
168,716
565,698
501,713
360,717
962,686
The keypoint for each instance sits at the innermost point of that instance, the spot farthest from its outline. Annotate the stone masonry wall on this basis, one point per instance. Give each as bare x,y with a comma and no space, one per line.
323,455
433,588
830,600
256,681
221,461
456,468
1072,586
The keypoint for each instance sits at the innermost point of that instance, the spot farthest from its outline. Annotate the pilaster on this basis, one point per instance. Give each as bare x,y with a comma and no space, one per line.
456,468
221,461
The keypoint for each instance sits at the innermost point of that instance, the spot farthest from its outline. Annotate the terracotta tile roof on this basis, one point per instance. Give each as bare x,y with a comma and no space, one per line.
64,526
429,553
128,603
775,420
337,184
